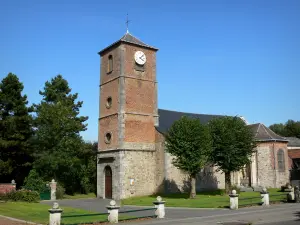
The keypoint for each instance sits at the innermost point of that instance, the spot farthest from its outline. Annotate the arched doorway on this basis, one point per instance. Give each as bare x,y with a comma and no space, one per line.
108,182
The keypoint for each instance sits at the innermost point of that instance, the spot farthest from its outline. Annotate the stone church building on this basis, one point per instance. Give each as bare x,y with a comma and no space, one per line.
131,157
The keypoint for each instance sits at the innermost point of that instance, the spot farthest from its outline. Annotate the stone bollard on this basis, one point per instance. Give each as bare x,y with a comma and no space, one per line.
160,207
113,211
55,214
234,200
13,183
297,194
291,194
265,197
53,189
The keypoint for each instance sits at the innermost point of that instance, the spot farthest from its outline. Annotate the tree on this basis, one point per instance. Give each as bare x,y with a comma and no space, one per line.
290,129
279,129
15,131
233,145
189,142
89,167
58,141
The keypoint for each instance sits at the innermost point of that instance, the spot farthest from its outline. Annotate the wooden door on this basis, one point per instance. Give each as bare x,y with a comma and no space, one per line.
108,182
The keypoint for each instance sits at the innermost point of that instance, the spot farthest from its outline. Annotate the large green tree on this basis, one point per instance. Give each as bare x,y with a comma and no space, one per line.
233,145
279,128
15,131
290,129
189,142
58,141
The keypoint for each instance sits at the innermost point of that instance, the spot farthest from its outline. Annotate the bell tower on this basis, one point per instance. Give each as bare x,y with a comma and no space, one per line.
128,115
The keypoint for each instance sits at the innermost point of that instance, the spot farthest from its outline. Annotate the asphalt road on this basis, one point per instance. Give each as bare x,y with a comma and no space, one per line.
288,214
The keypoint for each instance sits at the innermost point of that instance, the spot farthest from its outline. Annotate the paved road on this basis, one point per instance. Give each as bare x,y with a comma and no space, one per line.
275,214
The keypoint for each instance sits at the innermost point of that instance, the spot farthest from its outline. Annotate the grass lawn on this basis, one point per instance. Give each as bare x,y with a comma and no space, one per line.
79,196
36,212
204,200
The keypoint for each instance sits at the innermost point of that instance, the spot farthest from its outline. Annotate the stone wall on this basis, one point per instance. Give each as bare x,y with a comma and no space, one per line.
5,188
175,180
266,172
139,177
210,179
134,173
160,162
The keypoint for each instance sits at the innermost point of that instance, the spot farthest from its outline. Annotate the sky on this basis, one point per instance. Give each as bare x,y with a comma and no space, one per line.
215,57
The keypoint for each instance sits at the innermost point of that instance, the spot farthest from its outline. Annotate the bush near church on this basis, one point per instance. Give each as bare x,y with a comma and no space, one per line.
20,195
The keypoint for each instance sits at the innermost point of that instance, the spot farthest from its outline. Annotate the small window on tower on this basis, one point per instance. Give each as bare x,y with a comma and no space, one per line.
107,138
108,102
110,64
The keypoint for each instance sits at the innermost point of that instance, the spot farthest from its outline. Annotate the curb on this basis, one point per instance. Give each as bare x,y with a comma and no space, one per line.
22,221
170,207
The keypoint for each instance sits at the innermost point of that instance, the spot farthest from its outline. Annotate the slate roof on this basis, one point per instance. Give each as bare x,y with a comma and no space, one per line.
129,38
167,118
293,141
263,133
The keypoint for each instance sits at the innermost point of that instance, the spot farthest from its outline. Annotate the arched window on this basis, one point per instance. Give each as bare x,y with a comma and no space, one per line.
110,64
280,159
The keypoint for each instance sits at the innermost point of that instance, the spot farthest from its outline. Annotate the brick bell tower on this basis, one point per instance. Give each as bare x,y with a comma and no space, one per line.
128,115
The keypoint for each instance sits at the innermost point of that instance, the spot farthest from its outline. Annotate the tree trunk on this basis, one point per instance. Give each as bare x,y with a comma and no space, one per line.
227,182
193,186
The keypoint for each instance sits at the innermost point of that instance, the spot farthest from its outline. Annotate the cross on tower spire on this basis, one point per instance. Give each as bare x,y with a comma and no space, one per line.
127,22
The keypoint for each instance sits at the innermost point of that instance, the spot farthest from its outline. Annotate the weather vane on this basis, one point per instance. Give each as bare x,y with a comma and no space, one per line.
127,22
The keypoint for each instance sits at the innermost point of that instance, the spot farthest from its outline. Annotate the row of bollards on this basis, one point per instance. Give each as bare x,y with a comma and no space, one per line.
113,211
293,195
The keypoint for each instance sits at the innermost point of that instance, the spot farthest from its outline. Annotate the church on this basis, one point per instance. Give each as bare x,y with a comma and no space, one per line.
131,157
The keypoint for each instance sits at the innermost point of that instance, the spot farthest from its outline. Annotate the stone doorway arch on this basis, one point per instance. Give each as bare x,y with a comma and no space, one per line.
108,182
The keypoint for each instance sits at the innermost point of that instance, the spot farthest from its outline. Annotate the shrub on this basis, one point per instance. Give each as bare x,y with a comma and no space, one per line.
21,195
60,191
34,182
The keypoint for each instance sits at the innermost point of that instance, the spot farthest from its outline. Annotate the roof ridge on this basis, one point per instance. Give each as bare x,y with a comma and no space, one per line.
192,113
267,132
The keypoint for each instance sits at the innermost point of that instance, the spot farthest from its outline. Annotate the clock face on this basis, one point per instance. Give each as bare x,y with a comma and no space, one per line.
140,57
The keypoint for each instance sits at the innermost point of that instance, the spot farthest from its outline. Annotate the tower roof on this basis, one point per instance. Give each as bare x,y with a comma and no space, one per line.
130,39
263,133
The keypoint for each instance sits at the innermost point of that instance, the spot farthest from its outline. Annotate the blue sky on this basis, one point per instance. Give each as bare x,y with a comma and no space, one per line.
216,57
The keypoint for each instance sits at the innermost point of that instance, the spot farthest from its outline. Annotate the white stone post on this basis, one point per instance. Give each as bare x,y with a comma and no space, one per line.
234,200
265,197
53,189
113,211
55,214
13,183
291,194
160,207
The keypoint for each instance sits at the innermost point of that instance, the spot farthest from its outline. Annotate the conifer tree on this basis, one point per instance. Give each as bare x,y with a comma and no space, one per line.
58,140
15,131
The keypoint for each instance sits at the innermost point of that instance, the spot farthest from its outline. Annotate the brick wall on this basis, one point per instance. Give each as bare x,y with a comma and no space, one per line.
4,188
294,153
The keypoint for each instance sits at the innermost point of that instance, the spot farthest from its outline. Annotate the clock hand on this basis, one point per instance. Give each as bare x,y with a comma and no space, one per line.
141,58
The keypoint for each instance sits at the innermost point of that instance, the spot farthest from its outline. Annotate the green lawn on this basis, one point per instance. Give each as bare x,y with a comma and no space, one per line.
36,212
204,200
